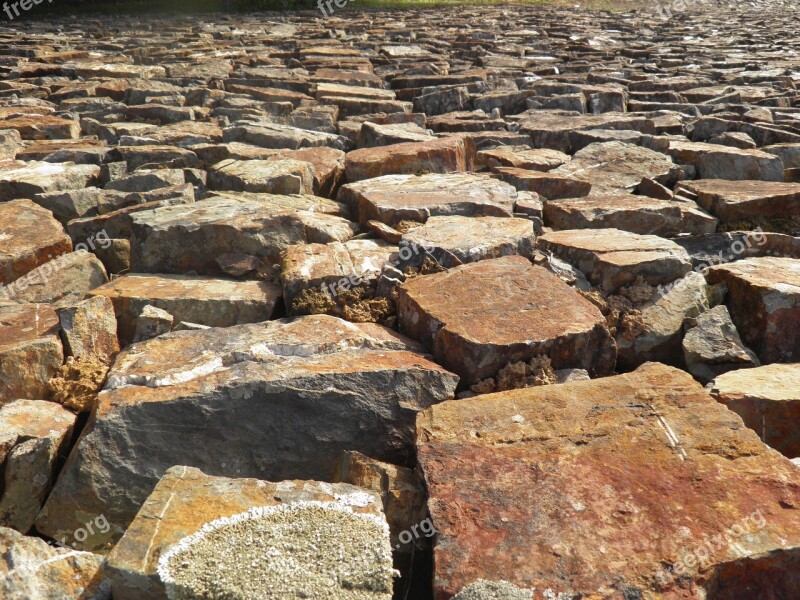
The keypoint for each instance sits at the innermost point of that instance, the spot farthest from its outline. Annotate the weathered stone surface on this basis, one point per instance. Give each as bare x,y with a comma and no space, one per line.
191,298
394,198
185,500
764,301
736,164
177,239
89,328
30,350
34,436
272,177
29,238
551,129
617,166
637,214
399,488
317,384
333,268
437,156
30,568
730,200
661,325
767,398
548,185
456,240
151,322
24,180
523,157
611,258
273,135
62,281
479,317
635,458
714,347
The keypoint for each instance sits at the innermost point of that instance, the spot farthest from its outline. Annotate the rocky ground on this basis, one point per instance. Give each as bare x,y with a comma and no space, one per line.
473,303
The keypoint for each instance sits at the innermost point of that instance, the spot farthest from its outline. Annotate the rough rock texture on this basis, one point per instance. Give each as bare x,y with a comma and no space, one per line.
714,347
481,316
637,214
764,302
437,156
89,328
34,437
318,385
30,350
177,239
611,258
646,458
185,500
396,198
29,568
30,237
730,200
767,398
456,240
616,166
190,298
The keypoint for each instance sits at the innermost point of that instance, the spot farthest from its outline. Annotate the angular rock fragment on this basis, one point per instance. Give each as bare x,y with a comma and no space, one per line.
731,200
481,316
89,328
177,239
611,258
608,457
437,156
456,240
637,214
293,393
60,282
332,269
30,568
617,166
764,302
29,238
30,350
548,185
714,347
34,438
24,180
272,177
395,198
767,398
191,298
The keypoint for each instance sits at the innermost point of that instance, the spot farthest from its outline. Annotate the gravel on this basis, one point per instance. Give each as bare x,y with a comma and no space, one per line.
319,550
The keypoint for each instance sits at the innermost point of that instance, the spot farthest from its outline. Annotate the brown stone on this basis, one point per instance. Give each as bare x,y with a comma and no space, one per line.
479,317
764,301
549,487
438,156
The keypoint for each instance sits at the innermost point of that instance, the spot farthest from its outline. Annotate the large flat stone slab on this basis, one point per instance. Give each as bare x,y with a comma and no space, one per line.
187,506
611,258
215,302
437,156
396,198
177,239
618,166
479,317
637,214
24,180
730,200
287,398
548,487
